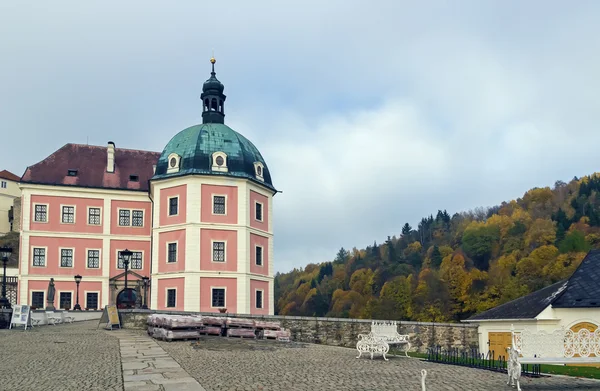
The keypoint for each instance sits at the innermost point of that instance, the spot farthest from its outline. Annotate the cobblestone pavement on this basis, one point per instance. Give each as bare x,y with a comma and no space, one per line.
146,366
63,357
220,363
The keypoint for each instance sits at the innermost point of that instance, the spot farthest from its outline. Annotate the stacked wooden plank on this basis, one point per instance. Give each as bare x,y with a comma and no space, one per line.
172,327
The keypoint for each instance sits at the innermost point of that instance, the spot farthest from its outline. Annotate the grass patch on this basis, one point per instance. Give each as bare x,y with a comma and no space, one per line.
587,372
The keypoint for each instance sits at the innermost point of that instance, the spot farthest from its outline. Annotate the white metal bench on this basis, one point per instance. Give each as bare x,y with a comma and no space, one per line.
66,318
561,346
382,335
52,318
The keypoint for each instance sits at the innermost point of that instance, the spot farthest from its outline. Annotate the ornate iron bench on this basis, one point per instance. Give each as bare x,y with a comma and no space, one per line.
381,337
561,346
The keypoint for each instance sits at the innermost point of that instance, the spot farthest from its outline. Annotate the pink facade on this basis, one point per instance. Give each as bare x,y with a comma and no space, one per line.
164,285
54,207
207,239
263,287
52,249
130,228
263,223
137,246
207,284
164,239
179,192
67,286
262,266
231,202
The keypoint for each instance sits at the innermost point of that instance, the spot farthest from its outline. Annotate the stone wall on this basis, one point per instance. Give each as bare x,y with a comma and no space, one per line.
16,215
342,332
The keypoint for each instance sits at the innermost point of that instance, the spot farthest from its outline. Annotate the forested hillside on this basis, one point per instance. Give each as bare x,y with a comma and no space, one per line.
452,266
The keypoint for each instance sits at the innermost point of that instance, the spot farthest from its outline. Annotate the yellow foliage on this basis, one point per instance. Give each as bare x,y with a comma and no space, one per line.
541,232
414,247
504,223
445,250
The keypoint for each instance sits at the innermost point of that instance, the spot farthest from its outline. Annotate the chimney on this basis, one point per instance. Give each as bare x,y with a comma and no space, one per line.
110,157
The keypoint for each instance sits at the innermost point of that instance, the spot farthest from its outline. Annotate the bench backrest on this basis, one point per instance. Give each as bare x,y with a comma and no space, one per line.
560,343
384,328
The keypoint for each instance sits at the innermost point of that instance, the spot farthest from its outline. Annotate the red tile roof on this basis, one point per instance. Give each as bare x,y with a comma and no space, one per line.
90,163
4,174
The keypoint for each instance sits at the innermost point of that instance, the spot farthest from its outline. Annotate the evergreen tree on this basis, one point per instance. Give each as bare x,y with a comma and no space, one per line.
436,257
406,229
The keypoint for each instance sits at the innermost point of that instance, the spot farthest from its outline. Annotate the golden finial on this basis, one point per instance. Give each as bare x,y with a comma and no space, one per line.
212,59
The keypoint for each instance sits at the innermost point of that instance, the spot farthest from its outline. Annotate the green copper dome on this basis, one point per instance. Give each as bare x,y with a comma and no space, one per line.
195,148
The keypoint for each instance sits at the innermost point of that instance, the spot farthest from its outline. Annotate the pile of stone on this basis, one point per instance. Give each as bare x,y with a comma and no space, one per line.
173,327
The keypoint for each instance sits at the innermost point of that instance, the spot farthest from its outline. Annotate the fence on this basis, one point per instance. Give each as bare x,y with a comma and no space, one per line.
474,359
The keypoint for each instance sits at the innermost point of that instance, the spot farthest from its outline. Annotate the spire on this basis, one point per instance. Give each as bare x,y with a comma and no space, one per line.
213,98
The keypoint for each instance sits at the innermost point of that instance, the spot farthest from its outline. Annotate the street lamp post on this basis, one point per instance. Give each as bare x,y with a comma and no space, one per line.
4,254
145,281
77,281
126,255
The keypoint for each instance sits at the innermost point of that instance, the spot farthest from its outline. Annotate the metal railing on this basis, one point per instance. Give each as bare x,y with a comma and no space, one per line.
472,358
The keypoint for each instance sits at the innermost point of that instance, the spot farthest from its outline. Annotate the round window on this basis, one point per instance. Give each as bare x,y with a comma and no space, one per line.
173,162
220,160
259,170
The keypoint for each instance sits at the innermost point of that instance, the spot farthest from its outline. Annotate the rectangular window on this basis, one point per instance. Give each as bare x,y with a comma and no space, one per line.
134,263
65,300
259,256
259,299
124,216
37,300
173,206
68,214
3,184
94,216
218,297
41,214
39,257
258,210
171,297
172,257
138,218
219,205
91,300
66,257
93,259
218,251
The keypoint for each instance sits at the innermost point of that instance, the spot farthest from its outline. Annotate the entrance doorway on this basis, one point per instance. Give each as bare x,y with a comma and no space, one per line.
127,298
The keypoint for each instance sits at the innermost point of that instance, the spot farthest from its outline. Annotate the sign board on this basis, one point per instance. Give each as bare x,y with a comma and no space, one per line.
110,316
21,315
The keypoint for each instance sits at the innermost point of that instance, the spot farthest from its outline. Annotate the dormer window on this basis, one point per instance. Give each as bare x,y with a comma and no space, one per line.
72,172
134,178
173,163
259,171
219,162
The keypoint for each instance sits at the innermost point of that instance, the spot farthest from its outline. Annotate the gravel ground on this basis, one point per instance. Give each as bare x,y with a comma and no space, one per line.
234,364
60,358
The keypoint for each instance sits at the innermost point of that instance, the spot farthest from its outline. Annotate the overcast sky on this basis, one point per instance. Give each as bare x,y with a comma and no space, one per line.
369,114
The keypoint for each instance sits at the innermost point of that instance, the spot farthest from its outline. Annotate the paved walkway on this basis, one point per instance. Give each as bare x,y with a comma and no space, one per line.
147,367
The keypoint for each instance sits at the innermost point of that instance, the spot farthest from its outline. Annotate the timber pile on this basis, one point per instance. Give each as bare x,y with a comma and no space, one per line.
173,327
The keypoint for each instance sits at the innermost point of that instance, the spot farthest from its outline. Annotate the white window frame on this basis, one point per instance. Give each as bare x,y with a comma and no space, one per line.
85,299
212,288
129,268
88,216
47,212
119,217
169,206
143,218
260,177
31,297
167,289
72,298
62,221
212,251
262,211
212,204
60,258
87,256
216,167
176,168
32,247
3,185
262,299
262,255
176,243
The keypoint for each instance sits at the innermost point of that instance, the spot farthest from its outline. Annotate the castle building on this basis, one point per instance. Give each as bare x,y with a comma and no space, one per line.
9,190
197,218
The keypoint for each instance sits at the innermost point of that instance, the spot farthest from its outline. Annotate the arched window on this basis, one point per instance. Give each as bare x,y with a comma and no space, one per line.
213,104
205,108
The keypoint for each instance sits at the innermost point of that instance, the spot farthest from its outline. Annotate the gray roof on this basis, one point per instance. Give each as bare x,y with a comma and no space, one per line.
581,290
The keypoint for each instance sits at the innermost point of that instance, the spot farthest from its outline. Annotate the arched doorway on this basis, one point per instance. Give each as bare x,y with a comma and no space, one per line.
127,298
